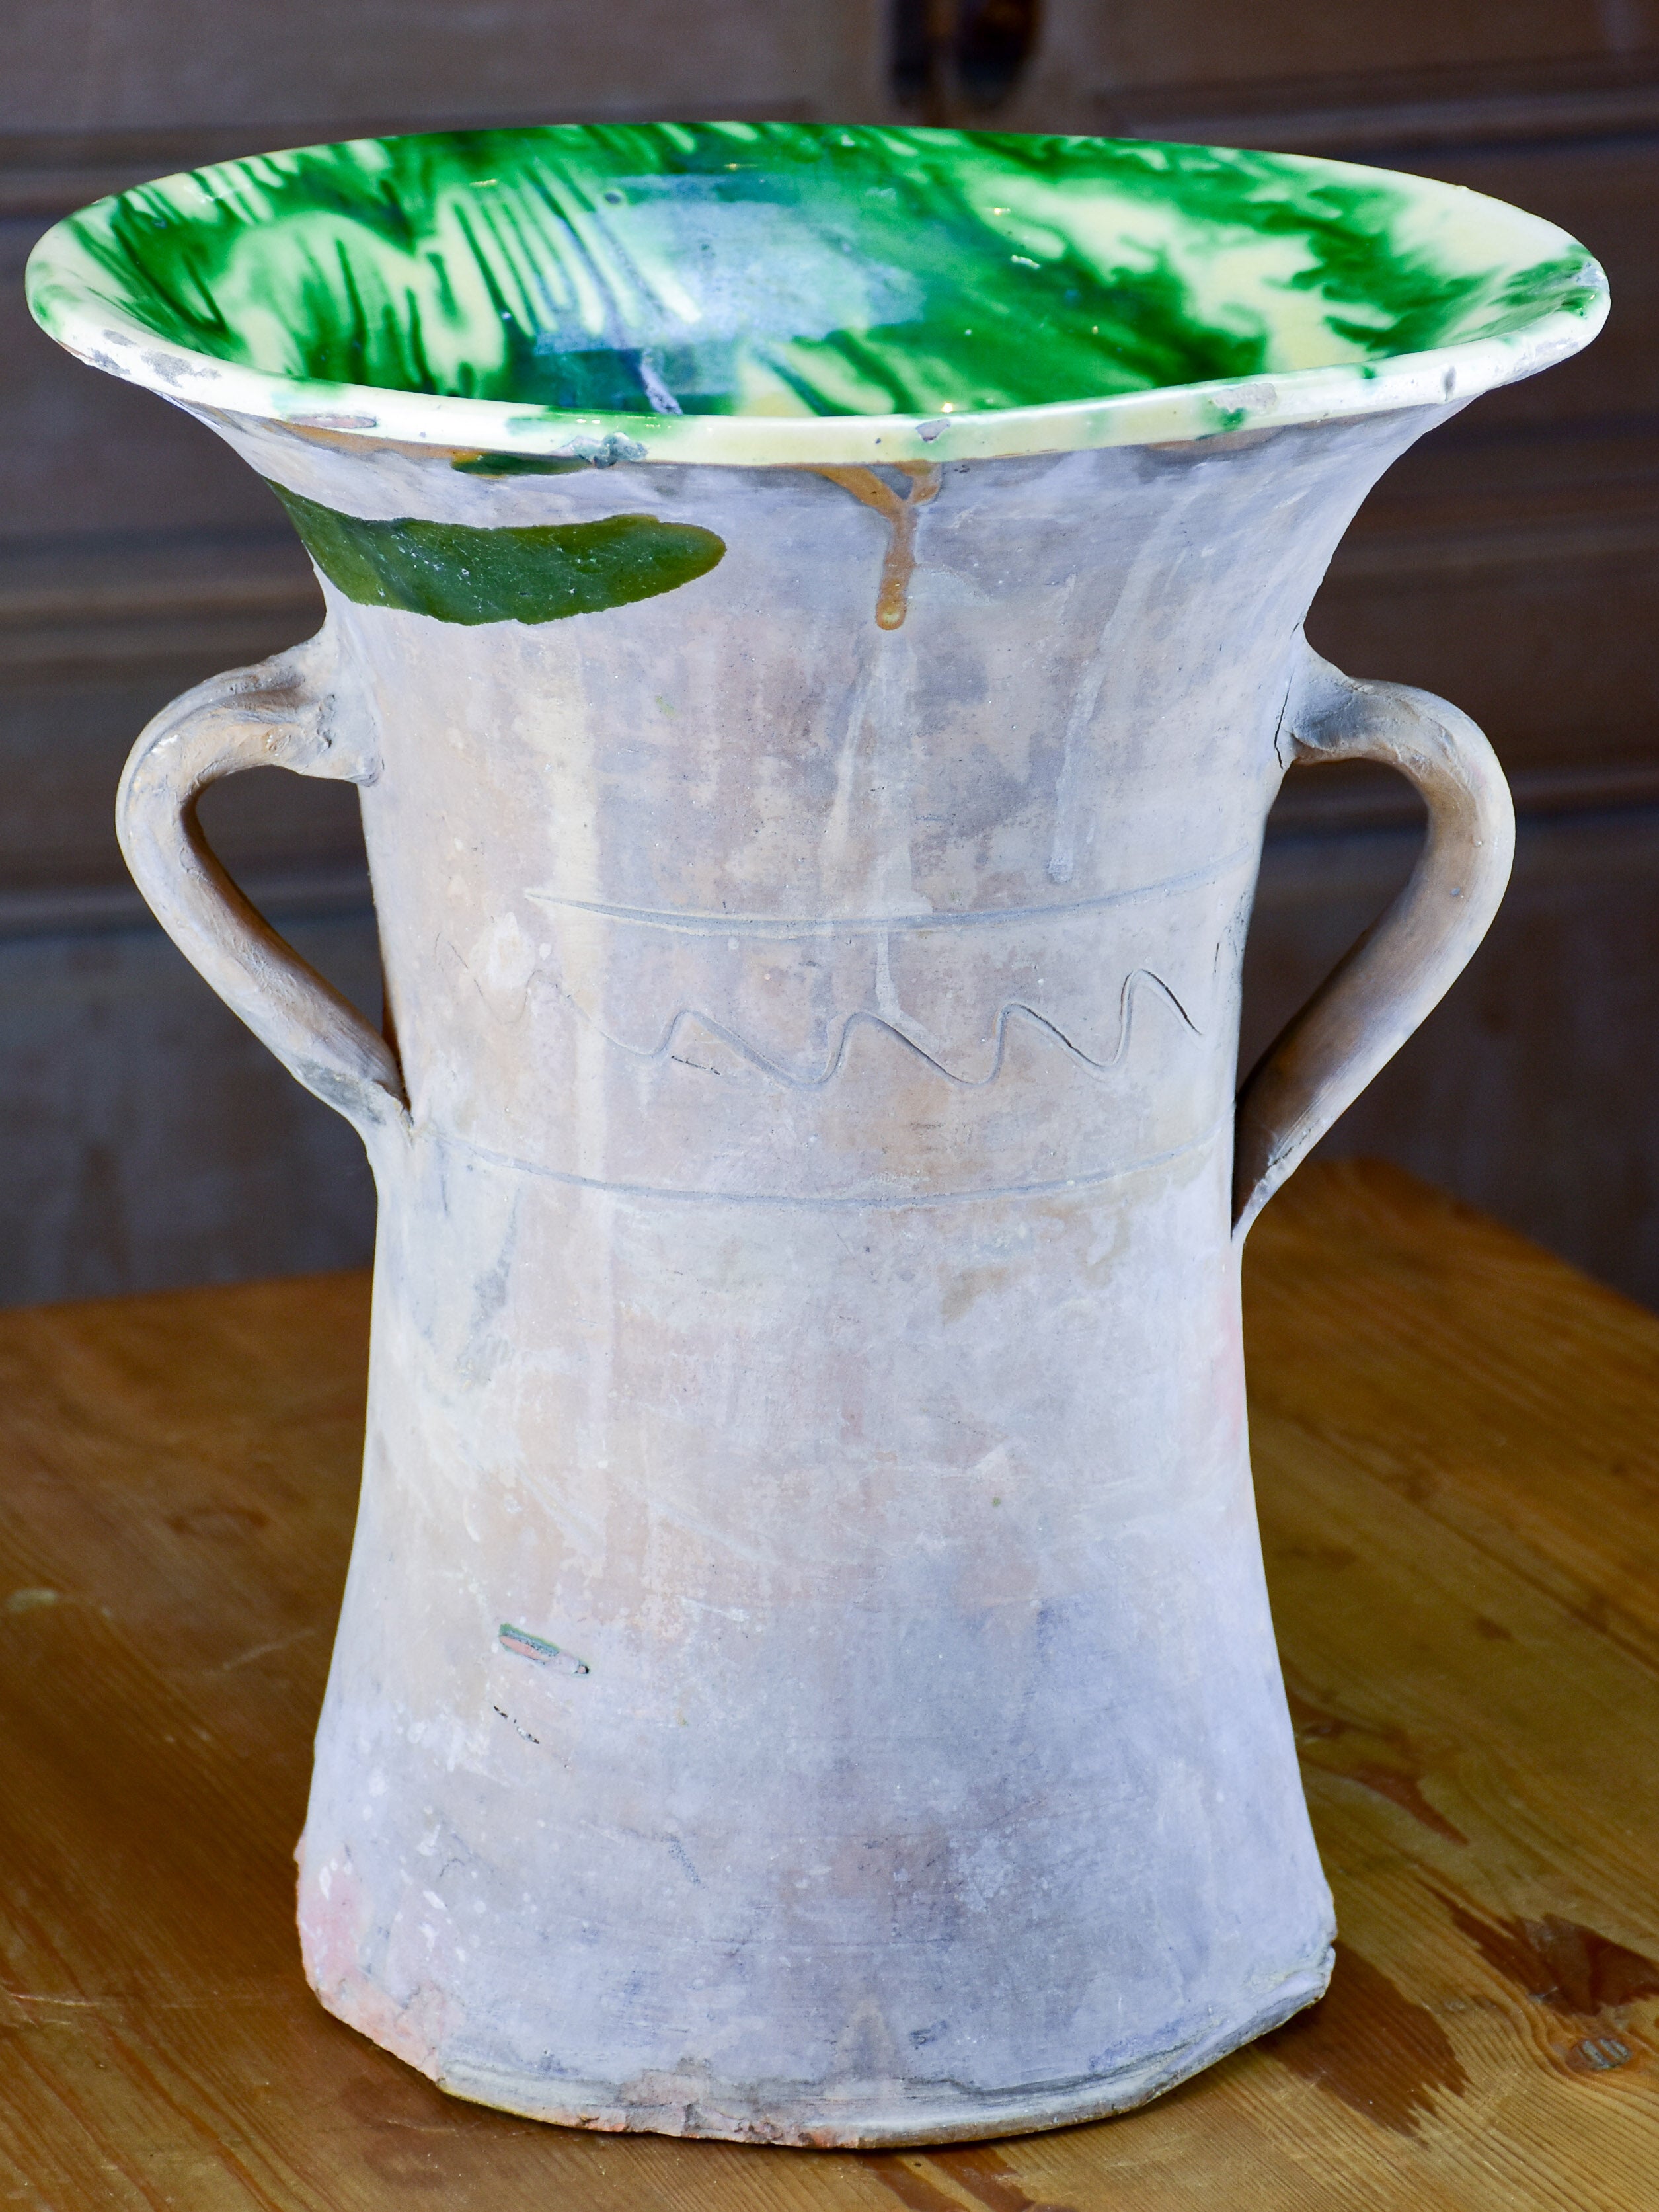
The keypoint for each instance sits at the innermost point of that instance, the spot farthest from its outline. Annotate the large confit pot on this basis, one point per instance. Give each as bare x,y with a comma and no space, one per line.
815,619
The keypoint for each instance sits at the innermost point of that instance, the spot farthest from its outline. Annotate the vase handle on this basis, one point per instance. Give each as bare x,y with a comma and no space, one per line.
285,713
1407,960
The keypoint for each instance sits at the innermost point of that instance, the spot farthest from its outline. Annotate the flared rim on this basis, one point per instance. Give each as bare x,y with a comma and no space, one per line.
1524,293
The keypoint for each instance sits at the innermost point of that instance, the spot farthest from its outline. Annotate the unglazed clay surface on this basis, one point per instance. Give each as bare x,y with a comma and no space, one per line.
805,1672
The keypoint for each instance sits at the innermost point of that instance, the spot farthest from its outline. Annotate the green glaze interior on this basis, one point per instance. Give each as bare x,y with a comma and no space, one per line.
778,291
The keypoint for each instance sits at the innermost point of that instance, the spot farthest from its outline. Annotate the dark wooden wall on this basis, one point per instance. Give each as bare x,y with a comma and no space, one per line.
1510,563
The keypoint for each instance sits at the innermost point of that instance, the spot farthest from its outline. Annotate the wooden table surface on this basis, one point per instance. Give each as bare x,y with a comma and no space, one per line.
1457,1445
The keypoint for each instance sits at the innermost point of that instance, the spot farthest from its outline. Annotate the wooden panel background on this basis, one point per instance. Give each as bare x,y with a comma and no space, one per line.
1511,563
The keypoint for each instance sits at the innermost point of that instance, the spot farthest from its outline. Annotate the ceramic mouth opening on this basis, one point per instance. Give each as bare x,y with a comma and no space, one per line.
665,279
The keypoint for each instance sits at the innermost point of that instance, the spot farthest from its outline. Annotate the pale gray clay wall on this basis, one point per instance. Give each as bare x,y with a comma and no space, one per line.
1510,563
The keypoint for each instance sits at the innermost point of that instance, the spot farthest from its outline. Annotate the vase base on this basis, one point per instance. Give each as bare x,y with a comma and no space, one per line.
869,2116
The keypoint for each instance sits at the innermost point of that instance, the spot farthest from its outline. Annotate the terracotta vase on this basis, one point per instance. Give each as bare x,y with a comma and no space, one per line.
815,619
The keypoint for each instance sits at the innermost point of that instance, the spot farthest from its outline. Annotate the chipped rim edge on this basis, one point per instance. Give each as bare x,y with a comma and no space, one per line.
821,2120
817,2124
65,302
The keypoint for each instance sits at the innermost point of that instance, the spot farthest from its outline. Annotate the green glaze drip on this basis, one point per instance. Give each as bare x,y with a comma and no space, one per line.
788,269
459,574
514,465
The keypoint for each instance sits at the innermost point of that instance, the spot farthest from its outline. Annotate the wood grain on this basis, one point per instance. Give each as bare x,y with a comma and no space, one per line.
1458,1452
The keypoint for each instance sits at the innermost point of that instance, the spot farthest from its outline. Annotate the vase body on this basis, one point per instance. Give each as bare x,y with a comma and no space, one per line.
805,1670
815,614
